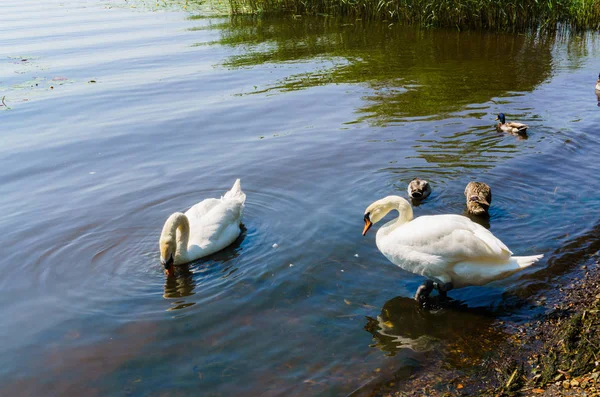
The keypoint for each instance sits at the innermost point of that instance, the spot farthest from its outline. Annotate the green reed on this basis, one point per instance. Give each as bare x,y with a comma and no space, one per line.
511,15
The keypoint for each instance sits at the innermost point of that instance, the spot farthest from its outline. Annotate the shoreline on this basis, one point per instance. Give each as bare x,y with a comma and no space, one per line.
555,353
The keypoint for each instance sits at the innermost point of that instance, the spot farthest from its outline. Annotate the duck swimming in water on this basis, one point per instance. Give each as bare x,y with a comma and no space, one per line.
418,189
479,198
512,126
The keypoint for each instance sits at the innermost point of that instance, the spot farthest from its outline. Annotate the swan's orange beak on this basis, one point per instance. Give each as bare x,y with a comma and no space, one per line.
169,266
368,224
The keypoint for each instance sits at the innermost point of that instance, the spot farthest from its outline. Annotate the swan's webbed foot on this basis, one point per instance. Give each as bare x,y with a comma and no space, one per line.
423,292
443,288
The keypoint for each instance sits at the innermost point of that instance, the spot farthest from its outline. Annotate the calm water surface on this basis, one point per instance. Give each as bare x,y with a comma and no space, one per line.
120,116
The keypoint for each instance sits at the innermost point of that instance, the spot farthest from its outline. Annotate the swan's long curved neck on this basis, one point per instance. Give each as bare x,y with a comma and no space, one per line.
177,227
405,213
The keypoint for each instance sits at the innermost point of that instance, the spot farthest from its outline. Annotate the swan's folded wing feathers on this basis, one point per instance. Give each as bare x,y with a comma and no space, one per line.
452,237
497,246
217,221
202,208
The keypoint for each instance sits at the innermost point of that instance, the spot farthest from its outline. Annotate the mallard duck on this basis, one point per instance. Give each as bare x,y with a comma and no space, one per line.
479,198
418,189
452,251
204,229
512,127
598,85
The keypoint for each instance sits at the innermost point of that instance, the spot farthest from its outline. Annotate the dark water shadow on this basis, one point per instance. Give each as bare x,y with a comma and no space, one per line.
417,202
483,220
578,251
449,329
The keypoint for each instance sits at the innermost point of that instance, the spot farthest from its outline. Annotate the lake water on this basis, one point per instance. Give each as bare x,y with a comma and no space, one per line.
114,117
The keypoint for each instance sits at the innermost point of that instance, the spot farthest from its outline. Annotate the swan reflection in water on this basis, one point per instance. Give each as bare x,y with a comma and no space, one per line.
181,286
188,276
462,334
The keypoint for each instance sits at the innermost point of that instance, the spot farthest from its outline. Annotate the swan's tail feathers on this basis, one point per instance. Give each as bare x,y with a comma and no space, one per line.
236,193
524,261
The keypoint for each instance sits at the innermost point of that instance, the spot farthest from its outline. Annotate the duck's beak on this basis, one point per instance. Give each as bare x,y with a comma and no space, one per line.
497,119
169,267
368,224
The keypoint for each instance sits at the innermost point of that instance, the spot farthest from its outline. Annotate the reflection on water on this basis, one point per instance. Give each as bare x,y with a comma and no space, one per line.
464,334
188,275
318,117
413,73
483,220
180,286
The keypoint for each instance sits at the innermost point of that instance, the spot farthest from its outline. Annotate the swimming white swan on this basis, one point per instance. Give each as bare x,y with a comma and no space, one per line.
204,229
451,250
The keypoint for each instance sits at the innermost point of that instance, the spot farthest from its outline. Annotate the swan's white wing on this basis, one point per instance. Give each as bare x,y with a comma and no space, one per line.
219,226
450,238
201,209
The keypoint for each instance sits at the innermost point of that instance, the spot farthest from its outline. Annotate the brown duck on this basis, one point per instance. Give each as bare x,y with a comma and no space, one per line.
479,198
418,189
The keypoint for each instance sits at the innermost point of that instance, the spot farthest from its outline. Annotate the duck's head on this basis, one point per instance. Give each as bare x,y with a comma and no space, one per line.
418,189
478,205
167,254
501,118
379,209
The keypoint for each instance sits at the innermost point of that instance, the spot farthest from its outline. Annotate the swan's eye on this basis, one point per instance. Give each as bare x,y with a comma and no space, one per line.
367,217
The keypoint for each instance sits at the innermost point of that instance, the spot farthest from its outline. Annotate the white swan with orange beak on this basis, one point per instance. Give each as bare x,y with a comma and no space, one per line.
450,250
204,229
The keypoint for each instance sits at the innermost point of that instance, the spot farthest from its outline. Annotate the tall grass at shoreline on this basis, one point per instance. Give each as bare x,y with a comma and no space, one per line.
511,15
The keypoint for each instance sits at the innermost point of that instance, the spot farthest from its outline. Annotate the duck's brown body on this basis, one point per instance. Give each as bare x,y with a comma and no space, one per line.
510,126
418,189
479,198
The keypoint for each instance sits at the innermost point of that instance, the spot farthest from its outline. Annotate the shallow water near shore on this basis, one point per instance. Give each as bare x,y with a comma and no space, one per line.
114,117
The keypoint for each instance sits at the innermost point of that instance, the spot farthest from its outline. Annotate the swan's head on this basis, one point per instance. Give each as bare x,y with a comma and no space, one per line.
501,118
379,209
167,255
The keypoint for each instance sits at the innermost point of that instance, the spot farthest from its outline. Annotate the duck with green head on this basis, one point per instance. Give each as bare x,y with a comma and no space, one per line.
511,126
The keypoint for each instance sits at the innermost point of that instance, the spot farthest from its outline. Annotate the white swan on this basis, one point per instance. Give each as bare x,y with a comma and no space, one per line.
450,249
204,229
